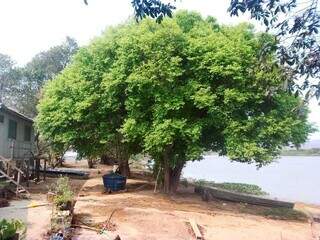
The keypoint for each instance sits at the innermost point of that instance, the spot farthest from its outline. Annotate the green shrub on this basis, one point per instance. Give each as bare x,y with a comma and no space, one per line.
63,192
8,228
234,187
241,188
285,214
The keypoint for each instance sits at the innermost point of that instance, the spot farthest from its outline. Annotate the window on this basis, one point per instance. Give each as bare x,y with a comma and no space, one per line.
1,119
27,133
12,133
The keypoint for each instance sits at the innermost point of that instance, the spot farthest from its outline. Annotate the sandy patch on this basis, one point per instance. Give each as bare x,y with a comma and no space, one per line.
141,214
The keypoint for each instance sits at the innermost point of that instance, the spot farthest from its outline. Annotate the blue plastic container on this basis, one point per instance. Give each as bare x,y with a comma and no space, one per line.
114,182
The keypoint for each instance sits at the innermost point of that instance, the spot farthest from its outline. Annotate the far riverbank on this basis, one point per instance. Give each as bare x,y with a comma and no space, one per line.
293,178
301,152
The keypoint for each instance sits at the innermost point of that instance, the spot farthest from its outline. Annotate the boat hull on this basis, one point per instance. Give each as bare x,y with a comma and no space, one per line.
209,193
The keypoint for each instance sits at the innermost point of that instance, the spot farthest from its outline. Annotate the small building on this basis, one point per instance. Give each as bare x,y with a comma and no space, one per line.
16,134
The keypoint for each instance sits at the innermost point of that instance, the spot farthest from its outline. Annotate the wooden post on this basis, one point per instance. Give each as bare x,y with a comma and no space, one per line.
44,169
18,181
19,178
11,157
28,171
8,168
12,150
157,179
37,170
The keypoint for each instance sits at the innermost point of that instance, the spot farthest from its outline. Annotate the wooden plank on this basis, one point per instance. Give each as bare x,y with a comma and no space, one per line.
45,170
28,172
19,178
195,229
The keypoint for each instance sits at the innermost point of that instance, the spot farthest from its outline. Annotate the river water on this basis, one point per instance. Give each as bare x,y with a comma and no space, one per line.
294,178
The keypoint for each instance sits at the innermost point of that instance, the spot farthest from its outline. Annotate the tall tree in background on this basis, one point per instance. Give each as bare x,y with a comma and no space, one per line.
6,81
175,90
21,89
24,83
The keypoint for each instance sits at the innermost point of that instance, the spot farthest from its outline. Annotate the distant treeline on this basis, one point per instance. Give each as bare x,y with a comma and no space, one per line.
301,152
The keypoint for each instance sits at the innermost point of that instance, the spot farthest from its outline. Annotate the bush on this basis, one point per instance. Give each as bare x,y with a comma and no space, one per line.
285,214
234,187
63,192
9,228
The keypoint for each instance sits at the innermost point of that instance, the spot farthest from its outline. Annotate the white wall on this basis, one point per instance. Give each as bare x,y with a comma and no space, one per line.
22,147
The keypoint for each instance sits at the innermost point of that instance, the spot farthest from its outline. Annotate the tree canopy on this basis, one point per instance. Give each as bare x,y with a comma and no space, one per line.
175,90
22,85
6,66
295,25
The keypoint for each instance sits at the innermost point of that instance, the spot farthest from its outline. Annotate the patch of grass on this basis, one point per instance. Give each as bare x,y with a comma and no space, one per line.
9,228
234,187
285,214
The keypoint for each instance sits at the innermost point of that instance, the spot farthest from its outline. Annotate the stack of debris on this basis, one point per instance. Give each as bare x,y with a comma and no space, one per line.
61,219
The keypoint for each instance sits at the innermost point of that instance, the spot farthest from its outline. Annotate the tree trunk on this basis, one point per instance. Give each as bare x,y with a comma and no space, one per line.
90,163
171,177
37,170
124,168
59,161
105,159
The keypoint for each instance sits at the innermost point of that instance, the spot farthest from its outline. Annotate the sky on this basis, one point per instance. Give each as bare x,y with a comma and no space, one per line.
30,26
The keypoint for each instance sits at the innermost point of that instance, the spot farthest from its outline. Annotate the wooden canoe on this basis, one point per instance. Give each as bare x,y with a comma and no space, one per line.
209,193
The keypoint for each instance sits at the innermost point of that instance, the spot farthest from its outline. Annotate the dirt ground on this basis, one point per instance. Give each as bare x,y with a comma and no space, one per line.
36,211
139,213
37,219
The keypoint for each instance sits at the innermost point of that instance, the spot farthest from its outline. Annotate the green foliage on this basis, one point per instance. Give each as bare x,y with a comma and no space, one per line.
174,90
23,84
295,25
285,214
234,187
6,66
8,228
63,191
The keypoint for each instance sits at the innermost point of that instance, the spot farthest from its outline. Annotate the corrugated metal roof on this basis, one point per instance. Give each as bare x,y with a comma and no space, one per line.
14,112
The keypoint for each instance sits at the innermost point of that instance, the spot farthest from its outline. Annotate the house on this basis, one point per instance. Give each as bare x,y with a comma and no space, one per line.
16,134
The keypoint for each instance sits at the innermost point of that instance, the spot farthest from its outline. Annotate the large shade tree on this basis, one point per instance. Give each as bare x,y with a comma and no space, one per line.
175,90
